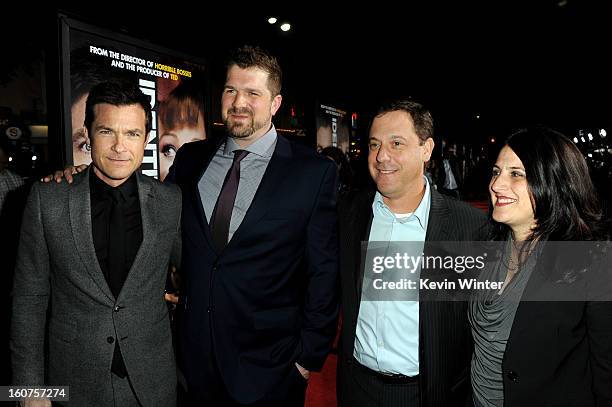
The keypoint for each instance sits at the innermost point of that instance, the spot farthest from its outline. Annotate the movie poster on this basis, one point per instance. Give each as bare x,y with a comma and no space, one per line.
176,84
332,125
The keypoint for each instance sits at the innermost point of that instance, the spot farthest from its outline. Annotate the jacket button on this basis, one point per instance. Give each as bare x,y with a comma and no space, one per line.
117,308
513,376
349,361
110,339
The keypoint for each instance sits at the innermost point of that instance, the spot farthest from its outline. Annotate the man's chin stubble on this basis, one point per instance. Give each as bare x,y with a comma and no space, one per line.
240,135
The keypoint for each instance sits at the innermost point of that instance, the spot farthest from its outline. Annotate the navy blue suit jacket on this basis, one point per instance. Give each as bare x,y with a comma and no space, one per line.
270,298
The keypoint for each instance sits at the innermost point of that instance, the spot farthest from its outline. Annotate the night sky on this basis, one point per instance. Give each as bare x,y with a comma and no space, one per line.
512,63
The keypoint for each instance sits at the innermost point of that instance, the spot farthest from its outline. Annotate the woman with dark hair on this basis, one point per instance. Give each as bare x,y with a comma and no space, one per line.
544,338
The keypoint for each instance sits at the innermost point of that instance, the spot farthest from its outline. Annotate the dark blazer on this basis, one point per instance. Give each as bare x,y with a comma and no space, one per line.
269,299
58,274
445,345
559,352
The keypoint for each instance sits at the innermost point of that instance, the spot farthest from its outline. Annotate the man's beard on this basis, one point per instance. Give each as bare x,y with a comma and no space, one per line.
236,130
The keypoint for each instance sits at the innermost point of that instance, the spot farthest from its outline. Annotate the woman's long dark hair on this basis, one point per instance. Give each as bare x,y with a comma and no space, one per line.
566,204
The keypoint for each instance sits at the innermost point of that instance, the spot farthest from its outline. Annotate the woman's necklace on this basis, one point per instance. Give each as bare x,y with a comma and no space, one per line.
517,256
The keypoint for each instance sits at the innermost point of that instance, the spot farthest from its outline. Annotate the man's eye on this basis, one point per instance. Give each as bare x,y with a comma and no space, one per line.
169,150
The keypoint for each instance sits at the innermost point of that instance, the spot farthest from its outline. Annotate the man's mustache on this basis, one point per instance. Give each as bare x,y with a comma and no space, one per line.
243,110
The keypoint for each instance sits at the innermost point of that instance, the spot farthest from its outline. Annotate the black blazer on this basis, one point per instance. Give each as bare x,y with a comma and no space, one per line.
270,298
445,344
559,353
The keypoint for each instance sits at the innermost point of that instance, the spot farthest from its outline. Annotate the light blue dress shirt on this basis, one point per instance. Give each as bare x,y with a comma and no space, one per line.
387,336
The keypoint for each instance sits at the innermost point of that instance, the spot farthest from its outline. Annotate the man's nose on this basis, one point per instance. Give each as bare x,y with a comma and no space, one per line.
382,155
239,100
119,144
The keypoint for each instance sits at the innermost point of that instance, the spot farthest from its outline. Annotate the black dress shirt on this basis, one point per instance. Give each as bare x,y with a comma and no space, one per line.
128,225
116,226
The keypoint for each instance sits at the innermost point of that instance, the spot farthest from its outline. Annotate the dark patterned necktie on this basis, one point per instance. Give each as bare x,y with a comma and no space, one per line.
222,214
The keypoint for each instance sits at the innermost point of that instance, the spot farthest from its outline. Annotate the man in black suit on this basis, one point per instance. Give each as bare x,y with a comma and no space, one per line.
260,251
408,353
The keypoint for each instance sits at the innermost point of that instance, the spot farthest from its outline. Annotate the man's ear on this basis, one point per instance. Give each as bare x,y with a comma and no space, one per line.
276,103
428,147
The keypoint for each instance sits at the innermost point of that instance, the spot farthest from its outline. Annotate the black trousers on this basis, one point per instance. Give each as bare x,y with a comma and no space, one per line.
367,389
291,392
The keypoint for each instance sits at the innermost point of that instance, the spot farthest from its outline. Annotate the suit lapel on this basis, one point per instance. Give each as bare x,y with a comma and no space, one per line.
275,174
431,312
80,223
437,230
194,191
148,215
438,218
361,219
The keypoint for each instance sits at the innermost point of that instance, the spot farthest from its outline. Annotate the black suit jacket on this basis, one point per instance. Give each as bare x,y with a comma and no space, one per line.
269,299
445,344
559,352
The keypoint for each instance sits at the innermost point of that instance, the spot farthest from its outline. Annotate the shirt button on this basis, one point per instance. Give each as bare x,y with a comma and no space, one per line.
110,339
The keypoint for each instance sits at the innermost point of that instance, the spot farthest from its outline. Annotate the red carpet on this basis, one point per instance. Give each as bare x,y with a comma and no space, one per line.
484,205
321,390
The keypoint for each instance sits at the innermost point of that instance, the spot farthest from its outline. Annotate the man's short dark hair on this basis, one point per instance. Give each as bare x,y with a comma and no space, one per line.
421,117
254,57
116,93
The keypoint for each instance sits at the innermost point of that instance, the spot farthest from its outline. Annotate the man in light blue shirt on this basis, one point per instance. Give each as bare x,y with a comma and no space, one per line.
399,351
387,337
